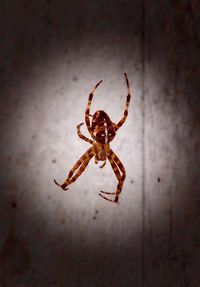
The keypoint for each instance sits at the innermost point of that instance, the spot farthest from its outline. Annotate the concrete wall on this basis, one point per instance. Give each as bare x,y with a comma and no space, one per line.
52,54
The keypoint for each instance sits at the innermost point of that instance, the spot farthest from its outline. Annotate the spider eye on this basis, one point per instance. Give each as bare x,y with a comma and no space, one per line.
103,135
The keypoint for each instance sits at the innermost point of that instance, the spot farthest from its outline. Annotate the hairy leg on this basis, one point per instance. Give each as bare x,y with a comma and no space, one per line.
117,166
120,123
81,164
82,136
87,112
81,169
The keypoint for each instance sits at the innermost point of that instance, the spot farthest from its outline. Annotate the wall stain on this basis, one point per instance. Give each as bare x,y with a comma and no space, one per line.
14,258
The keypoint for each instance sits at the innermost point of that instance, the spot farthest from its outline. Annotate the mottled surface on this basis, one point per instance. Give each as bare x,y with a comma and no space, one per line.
53,53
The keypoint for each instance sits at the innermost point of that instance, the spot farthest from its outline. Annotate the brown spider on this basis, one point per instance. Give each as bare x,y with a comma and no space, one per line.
103,131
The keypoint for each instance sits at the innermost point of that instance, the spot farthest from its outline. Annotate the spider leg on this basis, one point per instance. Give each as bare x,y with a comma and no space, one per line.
104,163
61,185
120,123
117,166
82,136
87,112
117,173
81,164
107,198
95,159
82,168
107,192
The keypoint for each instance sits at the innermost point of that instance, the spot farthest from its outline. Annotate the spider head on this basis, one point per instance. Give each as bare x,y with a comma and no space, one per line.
102,127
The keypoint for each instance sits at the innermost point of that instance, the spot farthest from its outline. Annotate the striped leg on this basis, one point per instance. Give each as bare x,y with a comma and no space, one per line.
117,166
120,123
81,164
87,112
82,136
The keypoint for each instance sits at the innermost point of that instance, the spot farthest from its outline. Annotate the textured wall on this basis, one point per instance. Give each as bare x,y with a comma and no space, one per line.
53,53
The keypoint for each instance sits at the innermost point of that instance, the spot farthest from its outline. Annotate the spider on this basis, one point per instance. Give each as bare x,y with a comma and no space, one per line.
102,131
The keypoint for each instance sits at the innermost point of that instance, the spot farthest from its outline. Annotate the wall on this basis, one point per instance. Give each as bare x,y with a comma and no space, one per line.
53,53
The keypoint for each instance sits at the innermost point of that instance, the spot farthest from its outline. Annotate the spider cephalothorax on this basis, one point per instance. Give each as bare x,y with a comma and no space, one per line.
102,131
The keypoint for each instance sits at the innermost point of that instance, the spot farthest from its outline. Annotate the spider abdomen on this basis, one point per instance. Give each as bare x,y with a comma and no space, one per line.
102,127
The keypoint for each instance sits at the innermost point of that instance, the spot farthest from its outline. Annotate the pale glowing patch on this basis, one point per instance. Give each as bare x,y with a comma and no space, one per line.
54,107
